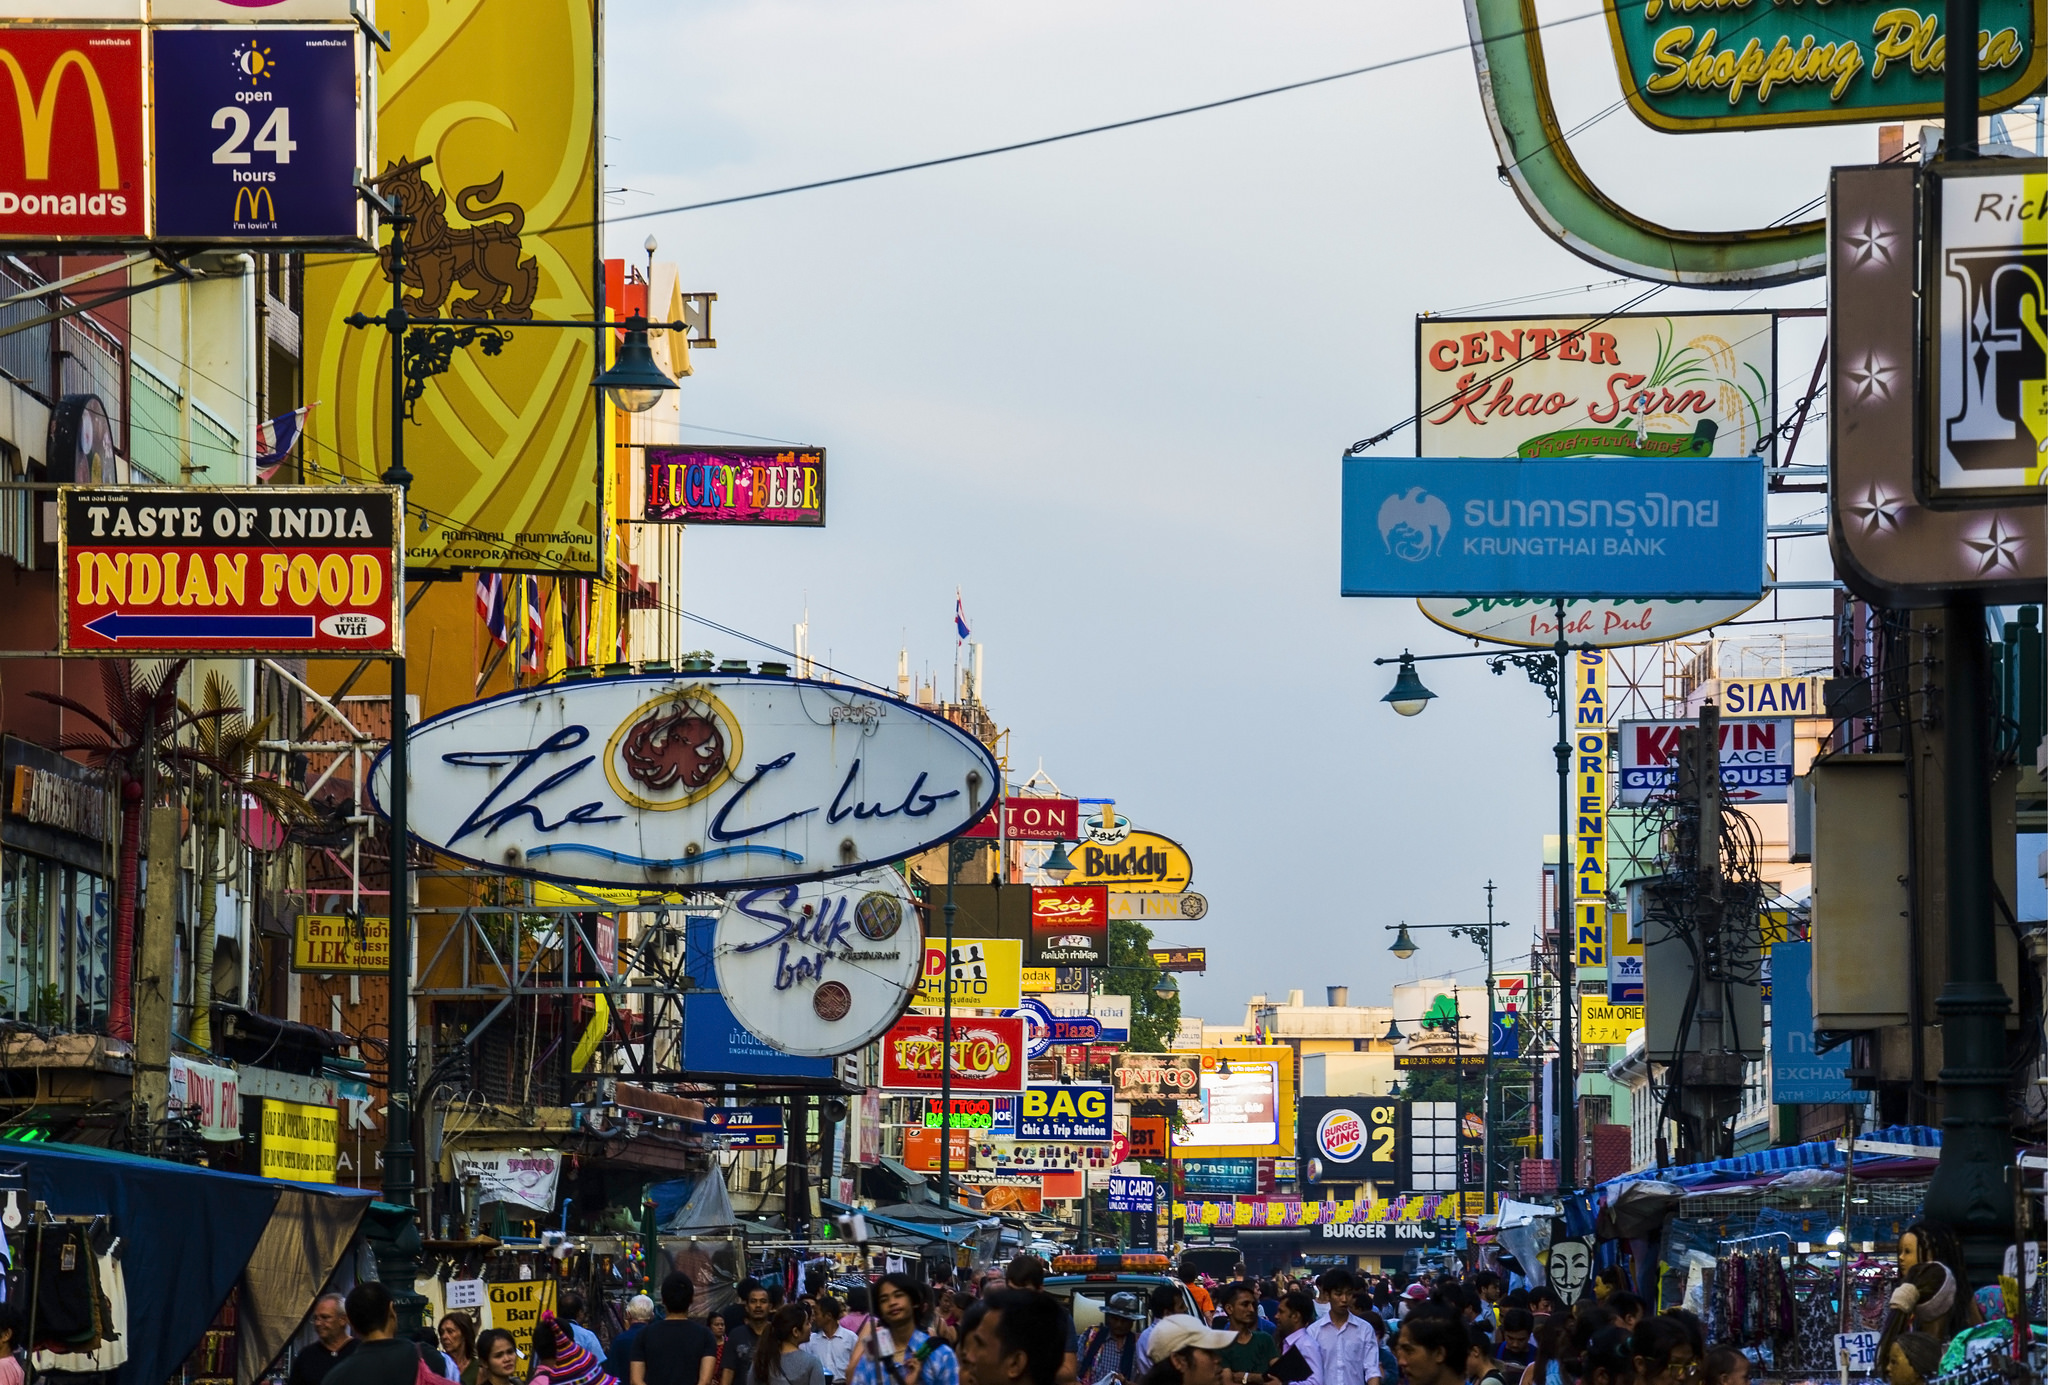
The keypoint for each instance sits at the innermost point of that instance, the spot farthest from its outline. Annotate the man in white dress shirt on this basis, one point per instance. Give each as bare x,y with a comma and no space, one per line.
1350,1348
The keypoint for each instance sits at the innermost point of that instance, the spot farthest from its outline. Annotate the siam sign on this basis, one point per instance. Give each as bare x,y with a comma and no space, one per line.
690,781
736,485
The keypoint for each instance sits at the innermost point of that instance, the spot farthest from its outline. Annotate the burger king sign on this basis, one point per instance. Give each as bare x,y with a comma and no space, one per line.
1340,1136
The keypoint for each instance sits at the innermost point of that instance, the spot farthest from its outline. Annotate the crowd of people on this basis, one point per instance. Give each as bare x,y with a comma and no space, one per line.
1336,1328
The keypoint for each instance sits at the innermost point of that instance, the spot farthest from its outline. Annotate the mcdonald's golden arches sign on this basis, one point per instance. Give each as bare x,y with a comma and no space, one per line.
71,139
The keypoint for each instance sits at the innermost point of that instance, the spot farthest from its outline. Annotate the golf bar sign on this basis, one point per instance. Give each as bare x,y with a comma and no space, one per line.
233,571
683,781
1586,527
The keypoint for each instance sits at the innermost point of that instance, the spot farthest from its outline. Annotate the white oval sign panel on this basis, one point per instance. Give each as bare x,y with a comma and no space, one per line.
822,968
689,782
1604,623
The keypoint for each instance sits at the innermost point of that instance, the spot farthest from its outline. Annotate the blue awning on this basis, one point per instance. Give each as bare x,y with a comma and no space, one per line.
950,1232
1763,1162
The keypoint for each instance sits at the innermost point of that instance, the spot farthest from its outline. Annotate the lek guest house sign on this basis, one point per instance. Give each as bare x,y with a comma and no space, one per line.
682,781
1689,66
823,968
233,571
736,485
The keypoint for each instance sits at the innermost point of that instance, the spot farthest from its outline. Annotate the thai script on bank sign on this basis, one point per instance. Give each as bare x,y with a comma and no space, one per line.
1654,511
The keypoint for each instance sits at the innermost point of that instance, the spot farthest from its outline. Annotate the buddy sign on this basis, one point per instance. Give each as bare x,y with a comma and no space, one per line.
684,781
1576,528
233,571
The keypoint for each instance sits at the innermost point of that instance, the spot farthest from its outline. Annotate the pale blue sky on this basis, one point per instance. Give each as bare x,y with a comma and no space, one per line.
1103,387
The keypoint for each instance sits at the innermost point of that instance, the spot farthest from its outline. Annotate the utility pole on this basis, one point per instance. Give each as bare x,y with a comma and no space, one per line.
1969,1190
1710,1071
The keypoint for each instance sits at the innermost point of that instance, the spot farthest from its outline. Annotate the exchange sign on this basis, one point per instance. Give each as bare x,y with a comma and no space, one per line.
1577,528
71,148
232,571
680,780
736,485
1073,1112
1779,65
1756,760
259,135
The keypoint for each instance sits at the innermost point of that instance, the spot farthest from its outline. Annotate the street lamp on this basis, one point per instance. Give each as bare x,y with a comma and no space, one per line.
1393,1034
1408,696
1059,865
1549,671
1404,946
634,382
1167,988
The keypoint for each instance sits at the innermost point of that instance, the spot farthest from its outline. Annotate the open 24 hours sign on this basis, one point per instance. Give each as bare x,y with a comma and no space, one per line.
231,571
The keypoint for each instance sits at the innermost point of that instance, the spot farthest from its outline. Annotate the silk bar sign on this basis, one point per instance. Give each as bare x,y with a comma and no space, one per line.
690,782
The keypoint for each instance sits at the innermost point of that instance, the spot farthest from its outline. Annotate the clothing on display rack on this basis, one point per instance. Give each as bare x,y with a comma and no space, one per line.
113,1348
57,1265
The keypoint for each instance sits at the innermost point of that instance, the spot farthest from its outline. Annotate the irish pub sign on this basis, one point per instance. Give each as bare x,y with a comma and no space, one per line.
1691,65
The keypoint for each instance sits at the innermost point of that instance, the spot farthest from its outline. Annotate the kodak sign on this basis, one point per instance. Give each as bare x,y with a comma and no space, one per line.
71,137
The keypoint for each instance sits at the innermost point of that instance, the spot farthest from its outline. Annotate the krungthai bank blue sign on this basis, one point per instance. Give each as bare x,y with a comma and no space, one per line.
1579,528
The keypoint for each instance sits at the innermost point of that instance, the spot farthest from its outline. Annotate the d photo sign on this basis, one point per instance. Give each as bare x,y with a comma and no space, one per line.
1070,925
259,133
690,782
1578,528
822,968
736,485
72,141
231,571
988,1054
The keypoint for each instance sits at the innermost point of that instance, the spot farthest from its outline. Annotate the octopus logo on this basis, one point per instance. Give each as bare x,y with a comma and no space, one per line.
1414,525
672,752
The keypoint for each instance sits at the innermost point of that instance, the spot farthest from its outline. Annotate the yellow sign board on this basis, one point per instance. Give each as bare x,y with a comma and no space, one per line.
987,972
516,1305
335,944
1040,980
1137,861
1602,1023
1589,807
1776,927
603,897
487,139
299,1141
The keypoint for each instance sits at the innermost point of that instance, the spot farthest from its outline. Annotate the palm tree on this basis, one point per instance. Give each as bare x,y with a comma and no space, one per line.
225,746
136,737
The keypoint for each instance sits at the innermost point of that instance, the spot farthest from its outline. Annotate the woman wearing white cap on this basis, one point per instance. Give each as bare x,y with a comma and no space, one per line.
1186,1353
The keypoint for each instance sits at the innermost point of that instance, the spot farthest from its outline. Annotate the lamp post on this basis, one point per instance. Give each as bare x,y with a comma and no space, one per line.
1404,947
1548,670
422,348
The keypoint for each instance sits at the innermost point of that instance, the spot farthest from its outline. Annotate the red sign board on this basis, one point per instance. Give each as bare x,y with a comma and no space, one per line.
1070,926
233,571
736,485
1148,1138
1064,1183
1034,820
988,1054
71,140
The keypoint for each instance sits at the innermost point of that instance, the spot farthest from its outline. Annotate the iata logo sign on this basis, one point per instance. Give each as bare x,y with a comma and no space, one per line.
71,140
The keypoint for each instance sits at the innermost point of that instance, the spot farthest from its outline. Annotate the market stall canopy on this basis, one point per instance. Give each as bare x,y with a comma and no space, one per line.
686,1205
1764,1164
190,1233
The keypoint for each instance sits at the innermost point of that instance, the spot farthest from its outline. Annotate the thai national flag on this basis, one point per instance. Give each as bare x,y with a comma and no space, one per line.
490,605
276,439
960,615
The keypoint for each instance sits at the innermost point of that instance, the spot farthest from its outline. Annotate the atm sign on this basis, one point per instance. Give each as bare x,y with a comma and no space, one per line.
71,140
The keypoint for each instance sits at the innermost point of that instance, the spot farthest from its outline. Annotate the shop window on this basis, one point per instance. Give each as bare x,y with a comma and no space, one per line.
56,931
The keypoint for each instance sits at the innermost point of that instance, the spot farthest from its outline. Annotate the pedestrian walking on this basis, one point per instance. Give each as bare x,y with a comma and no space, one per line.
677,1350
499,1352
1350,1351
1251,1352
380,1357
1190,1353
1014,1337
737,1358
831,1342
1111,1352
570,1315
1432,1348
458,1344
618,1357
1301,1360
893,1349
331,1343
779,1355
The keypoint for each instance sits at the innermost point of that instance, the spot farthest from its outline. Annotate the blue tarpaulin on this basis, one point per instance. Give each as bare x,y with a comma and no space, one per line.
1763,1163
187,1233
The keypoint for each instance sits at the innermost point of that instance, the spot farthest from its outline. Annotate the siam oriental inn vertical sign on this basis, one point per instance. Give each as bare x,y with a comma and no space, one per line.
1694,65
1589,815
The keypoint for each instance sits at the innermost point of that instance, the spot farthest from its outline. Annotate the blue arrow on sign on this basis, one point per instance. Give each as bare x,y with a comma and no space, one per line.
119,625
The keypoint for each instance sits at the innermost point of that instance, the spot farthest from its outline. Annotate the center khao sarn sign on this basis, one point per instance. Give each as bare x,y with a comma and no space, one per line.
681,781
1692,385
